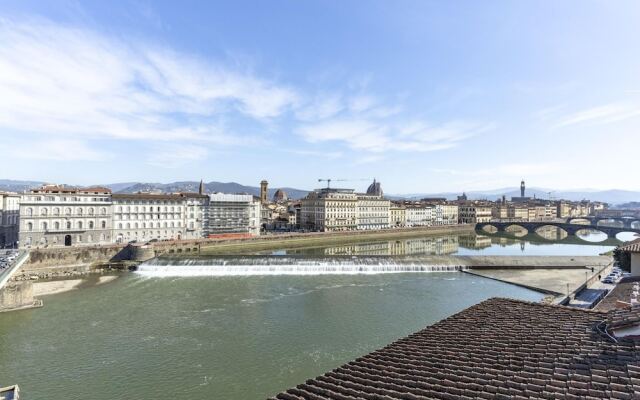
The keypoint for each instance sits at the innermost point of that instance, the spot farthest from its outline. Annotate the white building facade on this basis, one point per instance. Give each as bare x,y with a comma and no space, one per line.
329,210
372,212
144,216
56,216
419,215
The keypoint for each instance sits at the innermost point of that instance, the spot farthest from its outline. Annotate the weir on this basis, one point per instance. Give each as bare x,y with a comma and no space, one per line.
286,265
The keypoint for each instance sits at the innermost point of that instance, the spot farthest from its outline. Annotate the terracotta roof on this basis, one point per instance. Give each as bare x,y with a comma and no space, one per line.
633,247
623,317
498,349
620,294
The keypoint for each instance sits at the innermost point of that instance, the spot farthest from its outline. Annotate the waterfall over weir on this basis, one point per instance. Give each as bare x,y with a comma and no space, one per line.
284,265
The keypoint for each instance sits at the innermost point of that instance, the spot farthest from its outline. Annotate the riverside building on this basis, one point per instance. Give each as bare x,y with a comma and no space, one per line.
53,216
398,216
372,212
146,216
9,219
419,215
230,215
473,213
329,210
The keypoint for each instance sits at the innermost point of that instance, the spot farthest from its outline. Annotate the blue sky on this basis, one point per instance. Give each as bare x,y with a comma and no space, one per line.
425,96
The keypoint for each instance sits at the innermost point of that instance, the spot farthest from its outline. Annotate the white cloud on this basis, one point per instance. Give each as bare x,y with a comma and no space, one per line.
66,81
379,136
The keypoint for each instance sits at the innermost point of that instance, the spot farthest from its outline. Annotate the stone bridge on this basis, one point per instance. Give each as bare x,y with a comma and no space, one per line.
627,222
571,229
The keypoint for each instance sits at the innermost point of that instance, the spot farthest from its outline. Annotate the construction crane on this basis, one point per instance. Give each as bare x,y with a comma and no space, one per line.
551,195
329,180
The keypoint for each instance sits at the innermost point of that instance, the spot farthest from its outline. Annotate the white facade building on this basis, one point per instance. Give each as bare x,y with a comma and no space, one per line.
372,212
53,216
328,210
419,215
9,219
144,216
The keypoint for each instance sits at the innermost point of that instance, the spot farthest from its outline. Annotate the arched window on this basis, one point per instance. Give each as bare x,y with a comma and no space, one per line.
91,211
79,224
44,211
44,226
136,225
90,224
56,225
103,224
67,211
68,224
80,211
90,238
119,208
29,226
165,224
56,211
128,225
119,226
29,211
103,211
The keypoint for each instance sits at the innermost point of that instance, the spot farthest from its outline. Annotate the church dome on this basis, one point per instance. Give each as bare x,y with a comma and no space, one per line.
280,195
375,189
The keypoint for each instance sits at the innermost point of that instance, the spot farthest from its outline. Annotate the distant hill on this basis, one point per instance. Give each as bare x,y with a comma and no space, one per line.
8,185
210,187
630,205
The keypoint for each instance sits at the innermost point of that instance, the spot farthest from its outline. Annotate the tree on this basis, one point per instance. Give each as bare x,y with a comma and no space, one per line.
623,258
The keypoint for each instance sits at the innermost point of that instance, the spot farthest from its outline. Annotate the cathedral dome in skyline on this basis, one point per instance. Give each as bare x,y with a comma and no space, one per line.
375,189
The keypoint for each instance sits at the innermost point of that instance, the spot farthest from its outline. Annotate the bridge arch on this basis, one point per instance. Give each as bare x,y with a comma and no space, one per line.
592,234
627,236
551,232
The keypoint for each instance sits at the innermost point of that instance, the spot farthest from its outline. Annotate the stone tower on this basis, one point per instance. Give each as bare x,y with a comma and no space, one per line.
201,188
522,188
263,191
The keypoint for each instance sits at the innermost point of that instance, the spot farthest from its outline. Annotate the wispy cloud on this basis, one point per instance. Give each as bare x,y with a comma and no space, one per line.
379,136
63,80
603,114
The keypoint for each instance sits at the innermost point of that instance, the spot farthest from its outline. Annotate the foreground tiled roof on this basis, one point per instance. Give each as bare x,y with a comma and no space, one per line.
633,247
620,293
498,349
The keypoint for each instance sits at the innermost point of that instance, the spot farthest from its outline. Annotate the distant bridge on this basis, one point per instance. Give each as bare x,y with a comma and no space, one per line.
627,222
571,229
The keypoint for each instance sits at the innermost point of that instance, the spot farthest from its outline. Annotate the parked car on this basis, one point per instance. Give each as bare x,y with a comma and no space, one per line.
608,280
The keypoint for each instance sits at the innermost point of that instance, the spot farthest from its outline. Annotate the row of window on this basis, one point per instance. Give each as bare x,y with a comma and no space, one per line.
44,211
149,209
44,226
144,225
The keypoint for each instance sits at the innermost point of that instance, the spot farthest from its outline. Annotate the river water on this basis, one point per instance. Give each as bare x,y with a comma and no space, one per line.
144,336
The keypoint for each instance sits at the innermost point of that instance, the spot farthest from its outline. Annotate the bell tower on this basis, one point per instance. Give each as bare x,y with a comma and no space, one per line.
522,188
263,191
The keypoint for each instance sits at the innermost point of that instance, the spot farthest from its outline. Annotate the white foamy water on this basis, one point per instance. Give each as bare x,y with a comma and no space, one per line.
285,266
